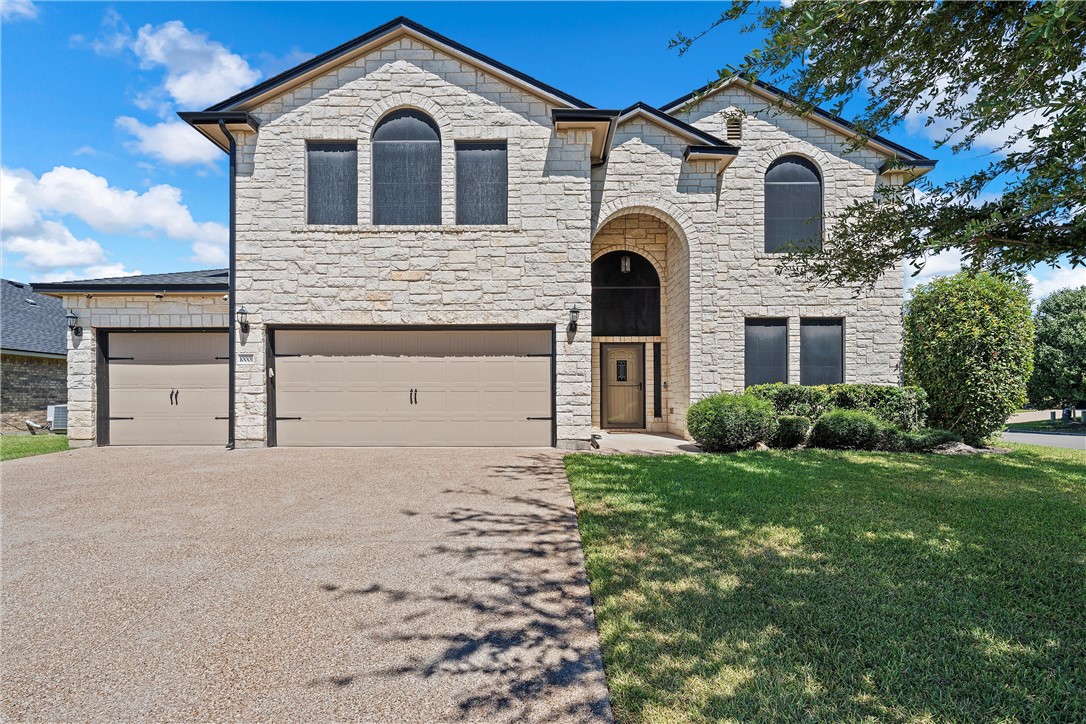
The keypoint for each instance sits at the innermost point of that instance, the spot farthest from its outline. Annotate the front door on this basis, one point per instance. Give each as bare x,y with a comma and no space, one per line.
623,390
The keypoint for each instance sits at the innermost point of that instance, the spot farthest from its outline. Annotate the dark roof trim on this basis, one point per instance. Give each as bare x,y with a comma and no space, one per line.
207,123
583,115
674,122
904,165
92,288
713,150
374,35
32,353
679,102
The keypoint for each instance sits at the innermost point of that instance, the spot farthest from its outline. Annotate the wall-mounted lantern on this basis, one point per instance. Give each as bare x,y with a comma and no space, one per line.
574,315
243,320
73,324
624,264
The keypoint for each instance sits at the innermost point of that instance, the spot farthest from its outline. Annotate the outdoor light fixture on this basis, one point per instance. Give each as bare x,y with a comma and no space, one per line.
624,264
574,314
243,320
73,324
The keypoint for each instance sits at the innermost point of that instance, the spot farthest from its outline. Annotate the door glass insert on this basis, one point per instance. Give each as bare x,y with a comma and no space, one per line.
622,370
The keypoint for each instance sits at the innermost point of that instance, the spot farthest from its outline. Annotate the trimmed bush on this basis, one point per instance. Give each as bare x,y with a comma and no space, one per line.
726,422
928,439
969,344
808,401
904,407
901,406
853,430
791,431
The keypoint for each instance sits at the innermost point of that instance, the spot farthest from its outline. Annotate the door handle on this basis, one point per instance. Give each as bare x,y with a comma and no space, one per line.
639,386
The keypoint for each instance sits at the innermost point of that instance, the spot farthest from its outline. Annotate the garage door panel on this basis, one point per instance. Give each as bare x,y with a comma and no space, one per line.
168,388
474,387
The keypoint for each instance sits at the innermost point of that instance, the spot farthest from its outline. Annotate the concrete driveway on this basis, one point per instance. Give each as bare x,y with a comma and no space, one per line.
295,584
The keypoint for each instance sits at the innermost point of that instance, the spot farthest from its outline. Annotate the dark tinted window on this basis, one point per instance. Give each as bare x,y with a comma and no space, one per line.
793,204
766,352
821,352
482,183
332,196
406,170
625,296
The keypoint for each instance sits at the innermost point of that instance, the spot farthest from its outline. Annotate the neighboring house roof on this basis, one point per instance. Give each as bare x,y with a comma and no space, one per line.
773,93
204,281
379,36
31,323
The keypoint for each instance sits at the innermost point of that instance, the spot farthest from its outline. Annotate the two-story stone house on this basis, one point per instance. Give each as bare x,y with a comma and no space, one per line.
431,248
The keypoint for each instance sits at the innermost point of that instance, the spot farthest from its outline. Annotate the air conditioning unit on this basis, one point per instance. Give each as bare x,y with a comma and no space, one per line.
58,415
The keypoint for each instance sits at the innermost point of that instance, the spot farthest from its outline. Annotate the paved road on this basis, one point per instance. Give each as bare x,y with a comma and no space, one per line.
295,585
1072,442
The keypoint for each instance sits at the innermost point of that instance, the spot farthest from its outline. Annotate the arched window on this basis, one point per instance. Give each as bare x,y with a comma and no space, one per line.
793,204
625,296
406,169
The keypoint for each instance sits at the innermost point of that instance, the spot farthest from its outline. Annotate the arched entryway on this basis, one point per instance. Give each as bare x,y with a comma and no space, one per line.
640,324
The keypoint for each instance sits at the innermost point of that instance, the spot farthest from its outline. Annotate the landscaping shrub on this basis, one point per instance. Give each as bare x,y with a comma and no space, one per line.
902,406
791,431
928,439
808,401
854,430
1059,359
969,344
727,421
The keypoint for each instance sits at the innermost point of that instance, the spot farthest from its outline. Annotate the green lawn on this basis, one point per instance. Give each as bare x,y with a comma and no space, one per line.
1077,428
786,586
22,446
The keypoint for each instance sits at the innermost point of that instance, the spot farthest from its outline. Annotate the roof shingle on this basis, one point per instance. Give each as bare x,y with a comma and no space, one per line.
31,322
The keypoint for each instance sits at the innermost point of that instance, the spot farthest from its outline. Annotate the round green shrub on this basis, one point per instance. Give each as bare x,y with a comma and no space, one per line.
791,431
969,344
808,401
853,430
1059,360
726,422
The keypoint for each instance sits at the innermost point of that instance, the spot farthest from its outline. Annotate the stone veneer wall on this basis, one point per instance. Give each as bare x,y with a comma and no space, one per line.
529,271
27,386
123,312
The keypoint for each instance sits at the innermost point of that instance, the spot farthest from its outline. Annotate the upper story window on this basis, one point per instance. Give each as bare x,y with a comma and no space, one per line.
625,296
406,169
332,182
482,182
793,204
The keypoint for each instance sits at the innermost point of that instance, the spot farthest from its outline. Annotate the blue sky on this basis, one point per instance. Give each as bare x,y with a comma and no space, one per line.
101,180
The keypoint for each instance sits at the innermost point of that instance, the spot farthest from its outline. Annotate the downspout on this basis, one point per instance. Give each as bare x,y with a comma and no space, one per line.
232,291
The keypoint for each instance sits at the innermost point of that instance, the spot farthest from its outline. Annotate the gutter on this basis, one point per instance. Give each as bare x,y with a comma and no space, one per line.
232,290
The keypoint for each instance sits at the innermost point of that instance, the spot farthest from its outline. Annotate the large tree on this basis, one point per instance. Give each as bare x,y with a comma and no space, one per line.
1011,70
1059,367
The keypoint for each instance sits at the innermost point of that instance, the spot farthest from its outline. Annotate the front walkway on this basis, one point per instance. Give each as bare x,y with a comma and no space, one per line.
305,584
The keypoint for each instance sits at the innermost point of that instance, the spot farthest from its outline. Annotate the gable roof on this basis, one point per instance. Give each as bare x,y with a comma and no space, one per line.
32,323
825,118
379,36
211,281
691,134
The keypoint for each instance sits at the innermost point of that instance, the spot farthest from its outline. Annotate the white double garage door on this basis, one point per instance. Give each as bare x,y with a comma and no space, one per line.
341,387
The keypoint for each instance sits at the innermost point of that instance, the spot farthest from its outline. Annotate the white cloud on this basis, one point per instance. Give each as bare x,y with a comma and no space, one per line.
199,71
935,265
18,10
1054,280
33,208
172,142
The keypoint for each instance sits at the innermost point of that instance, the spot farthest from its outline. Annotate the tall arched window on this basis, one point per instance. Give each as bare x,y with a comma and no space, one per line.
625,296
793,204
406,169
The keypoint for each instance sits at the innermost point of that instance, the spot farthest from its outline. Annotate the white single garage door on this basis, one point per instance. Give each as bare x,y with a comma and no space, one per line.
413,387
167,388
